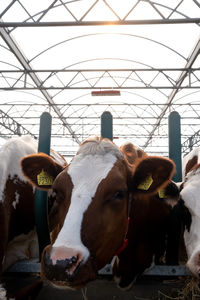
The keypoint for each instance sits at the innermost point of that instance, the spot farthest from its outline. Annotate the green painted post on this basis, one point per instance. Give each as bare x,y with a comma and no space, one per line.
41,204
175,143
107,125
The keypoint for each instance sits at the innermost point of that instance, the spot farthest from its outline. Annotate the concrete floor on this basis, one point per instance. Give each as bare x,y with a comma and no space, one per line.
107,290
146,288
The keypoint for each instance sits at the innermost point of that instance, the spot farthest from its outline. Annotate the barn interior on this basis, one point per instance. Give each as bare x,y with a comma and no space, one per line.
139,60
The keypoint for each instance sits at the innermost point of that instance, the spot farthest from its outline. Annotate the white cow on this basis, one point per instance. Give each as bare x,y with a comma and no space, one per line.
17,221
190,195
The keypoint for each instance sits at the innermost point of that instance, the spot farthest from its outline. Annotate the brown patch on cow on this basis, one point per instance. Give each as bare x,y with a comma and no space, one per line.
22,213
63,188
190,164
15,219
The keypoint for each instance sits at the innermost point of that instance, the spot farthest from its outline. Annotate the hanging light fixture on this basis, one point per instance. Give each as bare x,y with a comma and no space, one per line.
106,93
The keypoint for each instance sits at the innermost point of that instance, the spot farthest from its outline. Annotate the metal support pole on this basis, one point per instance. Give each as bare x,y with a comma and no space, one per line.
175,143
41,203
107,125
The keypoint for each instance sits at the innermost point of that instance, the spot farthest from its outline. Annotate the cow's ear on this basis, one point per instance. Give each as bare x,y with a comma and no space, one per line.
170,193
40,169
152,174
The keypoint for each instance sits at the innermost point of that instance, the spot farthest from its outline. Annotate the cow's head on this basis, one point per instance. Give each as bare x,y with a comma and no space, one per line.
91,206
149,217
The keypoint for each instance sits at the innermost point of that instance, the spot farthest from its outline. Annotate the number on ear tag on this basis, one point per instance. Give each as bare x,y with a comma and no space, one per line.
44,178
145,185
162,194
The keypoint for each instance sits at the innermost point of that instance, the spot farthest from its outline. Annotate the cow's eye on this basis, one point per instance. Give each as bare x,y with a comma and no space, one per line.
119,195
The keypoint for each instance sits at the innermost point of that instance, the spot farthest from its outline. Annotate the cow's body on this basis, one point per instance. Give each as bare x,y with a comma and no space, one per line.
148,229
91,206
17,233
190,199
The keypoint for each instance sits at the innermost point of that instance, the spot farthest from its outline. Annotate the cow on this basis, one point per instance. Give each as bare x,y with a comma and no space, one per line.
17,222
148,228
190,209
91,207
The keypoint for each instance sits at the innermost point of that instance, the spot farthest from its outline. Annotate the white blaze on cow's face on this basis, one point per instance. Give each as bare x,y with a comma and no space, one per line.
191,197
86,172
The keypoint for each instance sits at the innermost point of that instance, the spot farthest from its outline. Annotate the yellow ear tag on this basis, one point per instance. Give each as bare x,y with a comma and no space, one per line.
162,194
44,179
145,185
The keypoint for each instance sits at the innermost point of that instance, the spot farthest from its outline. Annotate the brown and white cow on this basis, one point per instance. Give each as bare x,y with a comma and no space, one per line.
91,206
148,229
190,209
17,234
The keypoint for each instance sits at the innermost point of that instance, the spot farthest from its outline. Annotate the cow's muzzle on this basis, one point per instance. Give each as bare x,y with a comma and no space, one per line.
61,264
61,271
64,266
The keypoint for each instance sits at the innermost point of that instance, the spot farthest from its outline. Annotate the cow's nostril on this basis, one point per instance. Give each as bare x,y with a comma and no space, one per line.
74,259
66,263
62,263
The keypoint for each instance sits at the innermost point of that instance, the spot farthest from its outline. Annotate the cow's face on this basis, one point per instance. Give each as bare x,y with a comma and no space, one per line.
91,207
190,196
149,216
92,196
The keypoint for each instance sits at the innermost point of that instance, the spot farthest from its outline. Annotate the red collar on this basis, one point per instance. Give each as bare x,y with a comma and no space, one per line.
125,242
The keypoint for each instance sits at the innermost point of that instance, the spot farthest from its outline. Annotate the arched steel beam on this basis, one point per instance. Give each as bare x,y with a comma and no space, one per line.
120,21
24,62
187,146
179,82
100,23
10,124
110,33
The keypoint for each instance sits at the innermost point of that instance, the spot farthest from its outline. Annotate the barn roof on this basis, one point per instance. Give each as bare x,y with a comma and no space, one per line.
58,56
